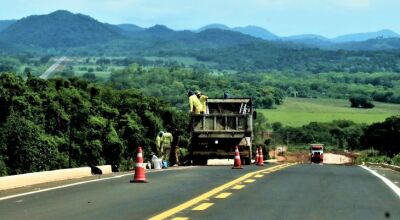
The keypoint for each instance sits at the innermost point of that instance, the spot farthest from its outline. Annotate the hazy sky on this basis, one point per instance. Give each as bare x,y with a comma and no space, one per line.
282,17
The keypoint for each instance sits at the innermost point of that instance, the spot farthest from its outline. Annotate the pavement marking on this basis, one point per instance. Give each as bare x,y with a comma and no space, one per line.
238,187
180,218
249,180
223,195
258,176
391,185
206,195
203,206
84,182
267,172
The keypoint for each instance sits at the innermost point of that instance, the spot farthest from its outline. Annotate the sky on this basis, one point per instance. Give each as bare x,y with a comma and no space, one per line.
329,18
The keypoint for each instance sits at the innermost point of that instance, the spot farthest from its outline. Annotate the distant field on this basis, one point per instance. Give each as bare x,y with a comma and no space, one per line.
300,111
183,60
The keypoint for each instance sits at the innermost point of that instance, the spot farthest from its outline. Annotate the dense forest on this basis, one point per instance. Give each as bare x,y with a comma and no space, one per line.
171,84
52,124
268,89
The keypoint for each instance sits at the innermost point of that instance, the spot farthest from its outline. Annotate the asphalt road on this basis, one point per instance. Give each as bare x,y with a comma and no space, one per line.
295,192
53,67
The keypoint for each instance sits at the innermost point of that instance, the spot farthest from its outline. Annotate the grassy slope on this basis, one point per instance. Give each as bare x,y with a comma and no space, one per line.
301,111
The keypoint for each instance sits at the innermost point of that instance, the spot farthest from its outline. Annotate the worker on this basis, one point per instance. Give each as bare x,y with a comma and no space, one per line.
166,140
173,157
203,101
226,95
194,103
158,143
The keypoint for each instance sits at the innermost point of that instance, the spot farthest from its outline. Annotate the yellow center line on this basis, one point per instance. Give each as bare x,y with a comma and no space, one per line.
206,195
223,195
203,206
258,176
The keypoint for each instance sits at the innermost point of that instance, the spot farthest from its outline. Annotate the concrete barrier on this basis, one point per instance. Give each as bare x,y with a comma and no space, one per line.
105,169
15,181
385,165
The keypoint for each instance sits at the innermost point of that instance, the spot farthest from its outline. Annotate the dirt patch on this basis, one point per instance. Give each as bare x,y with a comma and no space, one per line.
329,158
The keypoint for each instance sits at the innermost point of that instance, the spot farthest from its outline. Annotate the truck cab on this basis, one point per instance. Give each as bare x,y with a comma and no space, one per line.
226,123
317,153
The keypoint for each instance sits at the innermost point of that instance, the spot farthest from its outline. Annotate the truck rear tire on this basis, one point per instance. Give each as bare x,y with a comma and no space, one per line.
247,161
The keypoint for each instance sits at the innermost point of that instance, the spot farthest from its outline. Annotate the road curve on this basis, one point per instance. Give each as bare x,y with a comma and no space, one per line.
297,192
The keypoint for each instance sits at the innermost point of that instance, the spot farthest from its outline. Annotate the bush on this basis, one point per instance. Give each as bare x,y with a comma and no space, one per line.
396,160
361,102
3,168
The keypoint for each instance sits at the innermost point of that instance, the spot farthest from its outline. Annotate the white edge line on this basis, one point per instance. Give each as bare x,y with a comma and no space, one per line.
389,183
84,182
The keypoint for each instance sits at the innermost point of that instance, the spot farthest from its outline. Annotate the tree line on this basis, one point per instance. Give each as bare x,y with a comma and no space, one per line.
172,84
381,136
61,123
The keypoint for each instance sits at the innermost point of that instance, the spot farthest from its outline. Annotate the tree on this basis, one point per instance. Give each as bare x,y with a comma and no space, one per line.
383,136
26,147
361,102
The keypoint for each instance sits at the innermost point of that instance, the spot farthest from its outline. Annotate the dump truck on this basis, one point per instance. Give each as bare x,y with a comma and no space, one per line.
317,153
225,124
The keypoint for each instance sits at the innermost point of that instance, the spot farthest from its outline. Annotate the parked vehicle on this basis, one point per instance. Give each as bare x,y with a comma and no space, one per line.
226,123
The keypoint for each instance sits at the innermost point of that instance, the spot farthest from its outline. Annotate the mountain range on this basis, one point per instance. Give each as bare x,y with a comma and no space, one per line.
63,29
263,33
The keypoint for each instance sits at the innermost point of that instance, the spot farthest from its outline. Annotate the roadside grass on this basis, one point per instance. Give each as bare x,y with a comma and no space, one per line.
301,111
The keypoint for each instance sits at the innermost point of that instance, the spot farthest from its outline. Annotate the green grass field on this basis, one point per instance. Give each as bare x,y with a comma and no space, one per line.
183,60
300,111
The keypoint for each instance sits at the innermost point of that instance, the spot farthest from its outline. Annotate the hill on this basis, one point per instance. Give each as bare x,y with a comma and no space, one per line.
59,29
369,45
5,24
301,111
213,26
251,30
365,36
130,27
256,31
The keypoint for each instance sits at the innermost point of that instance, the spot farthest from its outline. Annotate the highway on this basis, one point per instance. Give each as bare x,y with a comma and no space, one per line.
288,191
53,67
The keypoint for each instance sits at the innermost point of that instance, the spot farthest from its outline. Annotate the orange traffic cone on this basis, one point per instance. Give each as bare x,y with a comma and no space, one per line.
257,156
260,158
237,164
139,176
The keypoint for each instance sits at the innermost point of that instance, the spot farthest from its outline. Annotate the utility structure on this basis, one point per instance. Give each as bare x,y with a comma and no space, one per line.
228,123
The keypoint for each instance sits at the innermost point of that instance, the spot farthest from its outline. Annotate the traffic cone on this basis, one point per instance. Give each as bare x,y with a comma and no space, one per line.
260,158
257,156
139,176
238,163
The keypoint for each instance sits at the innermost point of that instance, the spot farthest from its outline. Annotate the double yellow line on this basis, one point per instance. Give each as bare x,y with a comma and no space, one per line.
211,193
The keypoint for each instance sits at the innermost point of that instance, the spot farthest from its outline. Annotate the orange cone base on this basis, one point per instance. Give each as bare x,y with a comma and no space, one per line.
138,181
